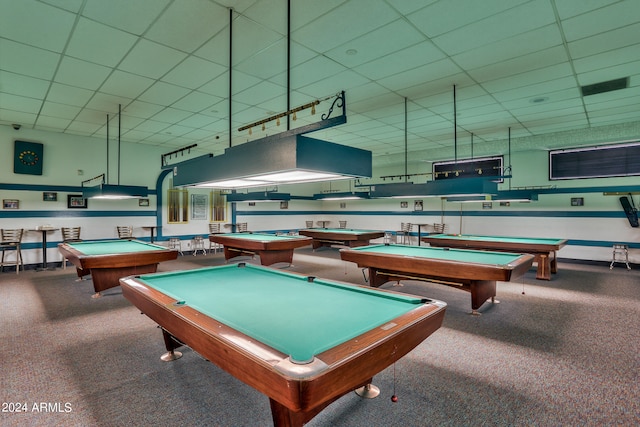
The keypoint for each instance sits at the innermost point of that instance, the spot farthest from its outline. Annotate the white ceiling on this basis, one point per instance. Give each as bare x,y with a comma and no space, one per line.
67,64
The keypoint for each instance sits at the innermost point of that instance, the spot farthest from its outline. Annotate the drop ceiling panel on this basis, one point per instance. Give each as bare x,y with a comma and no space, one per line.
167,63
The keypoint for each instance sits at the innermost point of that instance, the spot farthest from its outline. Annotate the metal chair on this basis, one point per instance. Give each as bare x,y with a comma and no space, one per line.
214,228
125,231
69,234
440,228
10,240
405,233
197,244
175,243
622,250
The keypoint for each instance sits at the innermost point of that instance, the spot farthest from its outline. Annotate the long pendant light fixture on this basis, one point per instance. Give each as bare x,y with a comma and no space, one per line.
285,158
104,190
454,187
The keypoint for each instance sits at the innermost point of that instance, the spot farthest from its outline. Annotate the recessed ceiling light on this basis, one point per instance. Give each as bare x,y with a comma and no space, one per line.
539,99
351,52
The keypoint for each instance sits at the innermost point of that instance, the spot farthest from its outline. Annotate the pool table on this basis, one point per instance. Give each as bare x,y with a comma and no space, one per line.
109,260
340,236
302,341
544,250
473,271
271,248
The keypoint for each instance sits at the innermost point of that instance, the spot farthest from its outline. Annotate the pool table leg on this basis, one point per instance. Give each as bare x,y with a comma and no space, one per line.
544,266
271,257
170,343
285,417
481,291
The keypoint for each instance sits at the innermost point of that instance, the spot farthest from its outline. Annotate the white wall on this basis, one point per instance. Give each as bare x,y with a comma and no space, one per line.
598,224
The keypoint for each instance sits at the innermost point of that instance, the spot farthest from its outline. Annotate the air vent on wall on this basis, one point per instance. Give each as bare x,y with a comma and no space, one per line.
605,86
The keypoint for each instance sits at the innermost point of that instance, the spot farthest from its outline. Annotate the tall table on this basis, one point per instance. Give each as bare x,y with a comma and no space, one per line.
43,231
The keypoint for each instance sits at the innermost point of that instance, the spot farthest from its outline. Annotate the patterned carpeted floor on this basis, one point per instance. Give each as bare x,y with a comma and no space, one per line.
566,352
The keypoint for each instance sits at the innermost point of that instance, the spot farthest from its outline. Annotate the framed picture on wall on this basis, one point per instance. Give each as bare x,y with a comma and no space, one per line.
577,201
49,196
10,204
284,204
143,202
76,201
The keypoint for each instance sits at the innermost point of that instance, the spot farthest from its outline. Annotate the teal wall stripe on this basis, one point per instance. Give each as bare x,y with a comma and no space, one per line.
452,213
76,213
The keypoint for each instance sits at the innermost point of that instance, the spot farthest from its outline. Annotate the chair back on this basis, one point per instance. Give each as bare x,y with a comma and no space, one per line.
70,234
11,236
214,228
440,228
125,231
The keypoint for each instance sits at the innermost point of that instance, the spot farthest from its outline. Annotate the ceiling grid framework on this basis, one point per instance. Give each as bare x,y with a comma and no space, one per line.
518,64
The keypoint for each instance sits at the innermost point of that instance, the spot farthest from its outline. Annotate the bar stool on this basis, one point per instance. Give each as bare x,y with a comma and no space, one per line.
10,240
214,228
175,243
405,233
197,244
125,231
620,249
69,234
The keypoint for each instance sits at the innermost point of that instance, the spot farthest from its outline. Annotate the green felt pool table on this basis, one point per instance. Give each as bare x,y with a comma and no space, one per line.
109,260
302,341
543,249
473,271
271,248
340,236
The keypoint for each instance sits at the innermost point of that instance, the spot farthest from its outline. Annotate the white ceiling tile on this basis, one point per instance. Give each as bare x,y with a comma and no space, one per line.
131,16
608,18
27,60
192,23
438,18
329,30
567,9
23,85
531,77
21,103
37,24
107,103
601,43
162,93
150,59
196,102
52,122
65,94
385,40
541,59
124,84
63,111
509,23
95,42
193,72
81,73
171,115
142,109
